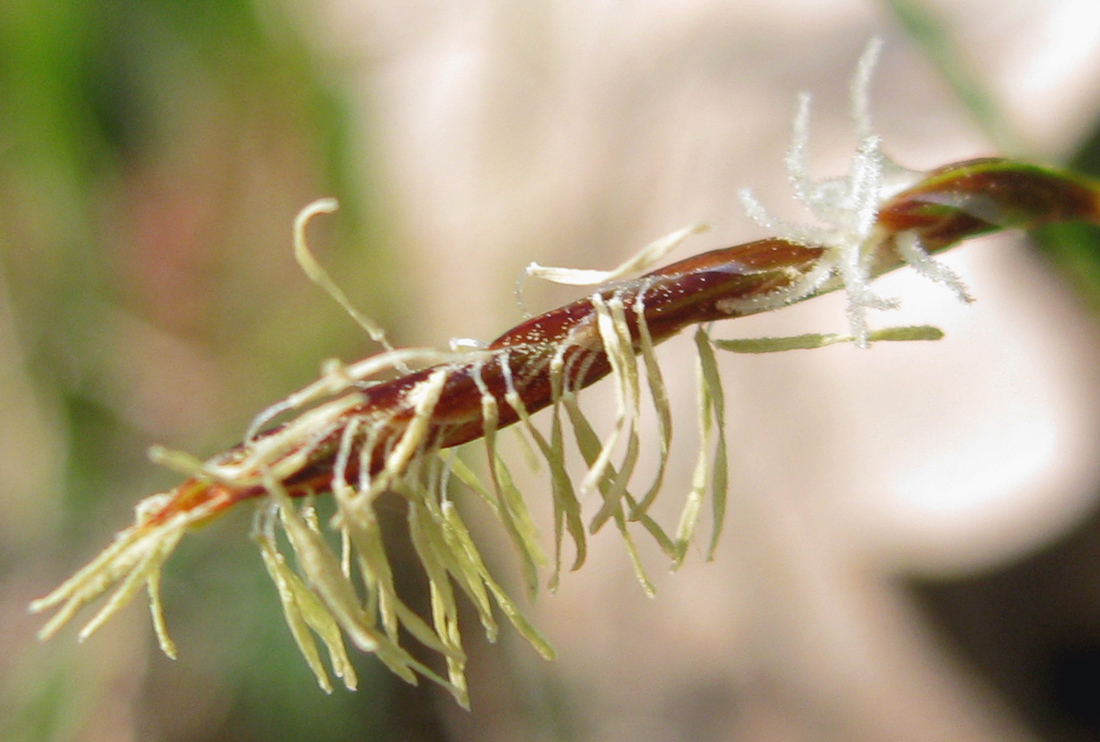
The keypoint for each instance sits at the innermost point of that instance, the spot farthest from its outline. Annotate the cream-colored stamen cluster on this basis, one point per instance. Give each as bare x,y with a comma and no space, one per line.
334,577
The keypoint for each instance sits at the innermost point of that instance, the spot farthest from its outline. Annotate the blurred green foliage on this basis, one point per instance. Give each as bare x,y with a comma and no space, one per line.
1073,250
153,154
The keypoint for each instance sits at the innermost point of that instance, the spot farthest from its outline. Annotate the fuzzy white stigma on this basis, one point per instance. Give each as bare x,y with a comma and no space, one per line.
846,210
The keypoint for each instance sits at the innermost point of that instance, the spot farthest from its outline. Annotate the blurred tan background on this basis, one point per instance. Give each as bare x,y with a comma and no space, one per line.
912,550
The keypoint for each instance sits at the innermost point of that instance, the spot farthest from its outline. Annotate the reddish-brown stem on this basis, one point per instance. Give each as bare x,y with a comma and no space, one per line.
949,205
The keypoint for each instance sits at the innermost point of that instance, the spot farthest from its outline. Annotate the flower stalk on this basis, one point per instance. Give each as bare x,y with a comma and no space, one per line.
385,426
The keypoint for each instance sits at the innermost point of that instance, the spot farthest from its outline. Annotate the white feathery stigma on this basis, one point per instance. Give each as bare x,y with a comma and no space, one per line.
846,209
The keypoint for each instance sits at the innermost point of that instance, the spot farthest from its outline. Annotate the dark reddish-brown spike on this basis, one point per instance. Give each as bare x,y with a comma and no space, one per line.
949,205
964,200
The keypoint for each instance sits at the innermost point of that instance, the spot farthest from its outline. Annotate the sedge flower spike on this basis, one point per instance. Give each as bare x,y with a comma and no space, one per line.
382,432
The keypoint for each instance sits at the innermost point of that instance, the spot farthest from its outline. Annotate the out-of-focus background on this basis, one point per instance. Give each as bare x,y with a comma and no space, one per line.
912,550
